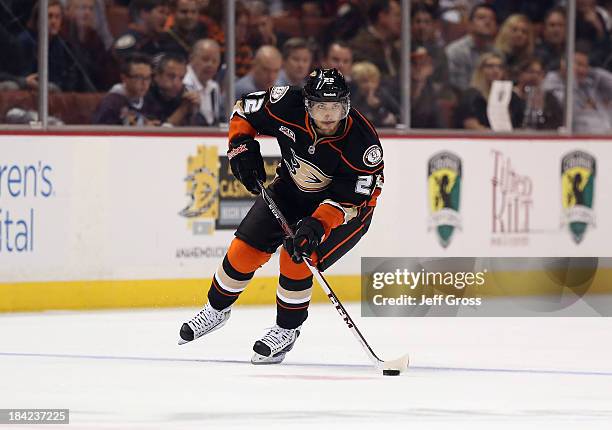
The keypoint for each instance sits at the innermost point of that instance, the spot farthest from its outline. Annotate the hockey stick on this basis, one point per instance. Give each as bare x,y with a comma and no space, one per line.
394,366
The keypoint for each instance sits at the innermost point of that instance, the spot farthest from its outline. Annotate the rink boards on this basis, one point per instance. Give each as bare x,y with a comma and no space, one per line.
141,221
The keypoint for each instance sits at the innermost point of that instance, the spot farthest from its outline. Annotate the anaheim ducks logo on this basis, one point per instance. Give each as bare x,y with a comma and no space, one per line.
308,177
202,189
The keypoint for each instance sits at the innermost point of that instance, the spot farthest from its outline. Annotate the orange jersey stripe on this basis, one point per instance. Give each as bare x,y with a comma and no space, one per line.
283,121
240,126
330,216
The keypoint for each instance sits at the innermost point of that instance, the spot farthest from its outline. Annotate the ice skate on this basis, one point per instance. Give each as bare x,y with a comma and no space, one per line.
206,321
274,345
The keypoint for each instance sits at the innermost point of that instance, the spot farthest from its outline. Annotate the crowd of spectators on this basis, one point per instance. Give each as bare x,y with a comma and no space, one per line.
164,62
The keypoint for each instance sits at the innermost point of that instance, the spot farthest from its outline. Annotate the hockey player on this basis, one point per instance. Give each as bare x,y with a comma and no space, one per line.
326,186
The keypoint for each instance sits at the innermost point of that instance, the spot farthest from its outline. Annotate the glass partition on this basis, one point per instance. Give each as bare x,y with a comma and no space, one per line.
459,65
18,67
486,65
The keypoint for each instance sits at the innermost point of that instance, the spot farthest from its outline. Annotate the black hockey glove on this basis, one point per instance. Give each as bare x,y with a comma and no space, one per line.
246,162
308,234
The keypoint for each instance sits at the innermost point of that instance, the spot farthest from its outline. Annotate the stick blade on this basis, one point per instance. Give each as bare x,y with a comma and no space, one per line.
400,364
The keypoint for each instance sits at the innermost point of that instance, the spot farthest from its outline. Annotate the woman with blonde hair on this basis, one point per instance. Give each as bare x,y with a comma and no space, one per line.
372,99
472,110
516,42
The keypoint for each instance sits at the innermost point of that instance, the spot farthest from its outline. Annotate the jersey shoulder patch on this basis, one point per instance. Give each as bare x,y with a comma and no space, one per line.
372,156
277,93
287,103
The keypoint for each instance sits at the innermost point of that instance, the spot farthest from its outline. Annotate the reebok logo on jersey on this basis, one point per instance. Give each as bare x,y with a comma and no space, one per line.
277,93
287,132
238,150
372,156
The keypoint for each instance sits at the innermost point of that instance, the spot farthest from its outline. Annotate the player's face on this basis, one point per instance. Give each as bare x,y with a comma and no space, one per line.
326,115
186,15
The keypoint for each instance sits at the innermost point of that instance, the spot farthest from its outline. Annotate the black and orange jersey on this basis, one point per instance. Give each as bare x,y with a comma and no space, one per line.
342,173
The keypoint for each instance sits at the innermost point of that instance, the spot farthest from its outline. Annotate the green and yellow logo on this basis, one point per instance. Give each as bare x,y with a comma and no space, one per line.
444,192
578,171
202,186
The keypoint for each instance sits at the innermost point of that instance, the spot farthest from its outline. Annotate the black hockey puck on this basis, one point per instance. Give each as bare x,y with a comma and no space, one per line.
391,372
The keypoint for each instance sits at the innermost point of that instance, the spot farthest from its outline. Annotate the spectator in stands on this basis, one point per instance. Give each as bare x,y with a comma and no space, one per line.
542,110
171,103
339,55
266,67
261,27
10,70
463,53
551,46
244,51
350,18
101,24
515,41
372,100
379,42
472,110
423,33
203,65
95,63
125,104
64,74
144,33
310,10
187,29
592,92
297,59
593,26
535,10
424,111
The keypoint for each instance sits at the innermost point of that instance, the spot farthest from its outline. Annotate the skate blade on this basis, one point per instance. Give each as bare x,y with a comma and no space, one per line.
262,359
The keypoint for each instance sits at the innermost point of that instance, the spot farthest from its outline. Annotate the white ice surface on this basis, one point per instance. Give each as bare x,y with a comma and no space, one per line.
124,370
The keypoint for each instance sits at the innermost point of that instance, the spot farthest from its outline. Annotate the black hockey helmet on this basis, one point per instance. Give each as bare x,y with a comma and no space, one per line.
326,85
